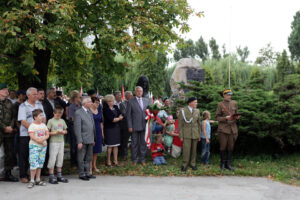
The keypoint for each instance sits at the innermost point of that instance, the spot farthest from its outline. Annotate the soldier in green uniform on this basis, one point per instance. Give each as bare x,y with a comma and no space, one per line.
227,115
189,126
7,132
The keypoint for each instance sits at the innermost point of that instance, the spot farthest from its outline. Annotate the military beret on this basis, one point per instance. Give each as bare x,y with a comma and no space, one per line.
2,86
191,99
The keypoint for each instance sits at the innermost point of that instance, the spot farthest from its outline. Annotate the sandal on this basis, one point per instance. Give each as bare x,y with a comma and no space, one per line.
116,164
41,183
30,185
108,164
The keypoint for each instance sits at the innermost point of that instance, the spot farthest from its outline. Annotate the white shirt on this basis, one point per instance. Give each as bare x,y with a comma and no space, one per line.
140,101
25,113
12,100
84,109
191,109
118,103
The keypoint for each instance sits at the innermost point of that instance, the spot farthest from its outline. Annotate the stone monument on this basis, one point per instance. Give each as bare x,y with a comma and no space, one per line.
186,69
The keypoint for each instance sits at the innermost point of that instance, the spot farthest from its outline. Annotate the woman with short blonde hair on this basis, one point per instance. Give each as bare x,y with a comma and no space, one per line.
112,133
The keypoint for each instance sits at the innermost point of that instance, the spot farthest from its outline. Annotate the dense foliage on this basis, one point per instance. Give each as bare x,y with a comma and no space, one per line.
270,121
40,38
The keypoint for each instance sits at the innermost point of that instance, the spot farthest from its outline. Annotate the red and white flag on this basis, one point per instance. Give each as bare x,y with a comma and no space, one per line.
123,93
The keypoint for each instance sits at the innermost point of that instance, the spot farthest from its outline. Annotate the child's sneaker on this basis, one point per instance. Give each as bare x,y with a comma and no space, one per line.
53,180
62,179
30,184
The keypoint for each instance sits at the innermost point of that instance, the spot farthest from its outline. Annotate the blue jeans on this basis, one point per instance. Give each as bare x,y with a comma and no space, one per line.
205,151
159,160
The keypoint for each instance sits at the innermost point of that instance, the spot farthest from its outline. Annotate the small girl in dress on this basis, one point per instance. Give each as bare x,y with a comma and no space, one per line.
170,132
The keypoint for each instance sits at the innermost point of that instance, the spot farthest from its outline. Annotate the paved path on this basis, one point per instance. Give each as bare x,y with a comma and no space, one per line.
154,188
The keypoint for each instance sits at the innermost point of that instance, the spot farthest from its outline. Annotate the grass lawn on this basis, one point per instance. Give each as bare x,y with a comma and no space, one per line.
283,168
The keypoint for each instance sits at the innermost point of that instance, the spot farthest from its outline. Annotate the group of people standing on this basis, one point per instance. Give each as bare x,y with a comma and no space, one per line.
192,129
33,132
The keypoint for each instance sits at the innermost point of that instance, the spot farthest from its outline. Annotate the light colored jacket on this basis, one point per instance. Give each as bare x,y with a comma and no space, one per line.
136,117
84,127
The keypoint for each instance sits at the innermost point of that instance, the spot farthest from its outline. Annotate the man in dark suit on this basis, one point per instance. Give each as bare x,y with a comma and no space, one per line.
136,125
61,102
48,105
124,127
85,132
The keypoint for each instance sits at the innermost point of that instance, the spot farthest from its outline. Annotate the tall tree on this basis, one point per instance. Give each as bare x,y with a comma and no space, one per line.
185,49
155,70
256,80
201,49
284,67
243,53
224,51
294,38
214,48
38,34
267,56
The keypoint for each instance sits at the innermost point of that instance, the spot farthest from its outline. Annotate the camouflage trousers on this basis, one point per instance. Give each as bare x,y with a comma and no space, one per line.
8,144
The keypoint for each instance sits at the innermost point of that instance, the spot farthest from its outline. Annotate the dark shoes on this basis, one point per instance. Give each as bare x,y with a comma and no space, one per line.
222,155
53,181
91,176
183,169
226,162
62,179
84,178
228,166
194,168
10,178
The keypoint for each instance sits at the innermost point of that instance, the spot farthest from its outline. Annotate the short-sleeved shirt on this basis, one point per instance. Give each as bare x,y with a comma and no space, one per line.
25,113
208,129
72,109
56,125
39,130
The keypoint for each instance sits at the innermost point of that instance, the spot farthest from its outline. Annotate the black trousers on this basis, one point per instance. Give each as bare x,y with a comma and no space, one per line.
73,143
125,135
24,156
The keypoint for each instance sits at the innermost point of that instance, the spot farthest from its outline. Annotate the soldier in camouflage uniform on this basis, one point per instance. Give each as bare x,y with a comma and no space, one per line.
7,131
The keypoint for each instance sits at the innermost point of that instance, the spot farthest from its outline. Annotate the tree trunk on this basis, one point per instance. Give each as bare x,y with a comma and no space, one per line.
41,65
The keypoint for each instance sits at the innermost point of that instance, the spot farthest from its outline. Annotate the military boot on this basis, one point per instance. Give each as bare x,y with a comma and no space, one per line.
222,165
228,163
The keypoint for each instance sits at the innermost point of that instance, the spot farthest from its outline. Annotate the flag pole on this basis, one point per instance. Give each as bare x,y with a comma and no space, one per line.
229,46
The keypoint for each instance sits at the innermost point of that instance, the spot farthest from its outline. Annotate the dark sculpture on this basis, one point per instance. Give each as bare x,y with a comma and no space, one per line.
143,81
